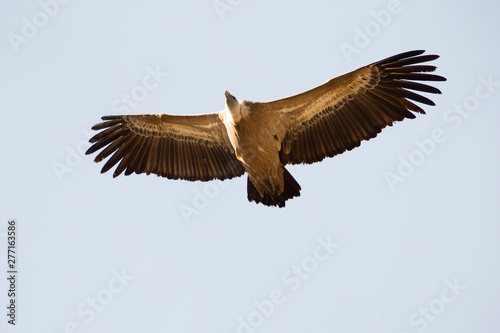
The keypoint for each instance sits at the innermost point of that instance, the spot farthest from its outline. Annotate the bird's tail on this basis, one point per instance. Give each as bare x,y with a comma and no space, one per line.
291,190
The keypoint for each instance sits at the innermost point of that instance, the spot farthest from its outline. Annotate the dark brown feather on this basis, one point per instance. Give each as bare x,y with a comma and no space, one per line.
386,97
152,144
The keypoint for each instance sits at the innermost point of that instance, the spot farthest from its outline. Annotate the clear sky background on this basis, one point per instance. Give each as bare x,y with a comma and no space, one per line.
355,253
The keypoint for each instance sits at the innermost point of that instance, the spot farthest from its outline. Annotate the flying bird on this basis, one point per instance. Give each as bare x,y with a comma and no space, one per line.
262,138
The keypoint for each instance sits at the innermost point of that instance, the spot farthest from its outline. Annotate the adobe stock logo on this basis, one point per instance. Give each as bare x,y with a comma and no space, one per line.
30,27
363,36
201,199
94,305
430,312
453,118
123,105
222,7
293,279
139,92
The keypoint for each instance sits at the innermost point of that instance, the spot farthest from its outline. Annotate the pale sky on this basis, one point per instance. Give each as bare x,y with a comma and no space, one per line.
399,235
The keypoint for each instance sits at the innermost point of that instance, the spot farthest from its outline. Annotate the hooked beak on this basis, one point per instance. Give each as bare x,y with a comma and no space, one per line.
230,99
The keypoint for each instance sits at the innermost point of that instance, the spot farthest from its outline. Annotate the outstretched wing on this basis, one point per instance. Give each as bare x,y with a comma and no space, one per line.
348,109
177,147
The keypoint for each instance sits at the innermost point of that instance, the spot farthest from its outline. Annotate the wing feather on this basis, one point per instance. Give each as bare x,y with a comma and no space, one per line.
176,147
340,114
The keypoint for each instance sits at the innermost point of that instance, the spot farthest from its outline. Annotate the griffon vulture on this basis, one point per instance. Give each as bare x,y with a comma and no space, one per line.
262,138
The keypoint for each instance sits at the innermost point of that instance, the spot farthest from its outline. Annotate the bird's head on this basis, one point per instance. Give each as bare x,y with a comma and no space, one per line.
234,107
231,101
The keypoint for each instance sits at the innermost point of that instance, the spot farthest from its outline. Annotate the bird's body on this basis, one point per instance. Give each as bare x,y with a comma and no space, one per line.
261,138
256,146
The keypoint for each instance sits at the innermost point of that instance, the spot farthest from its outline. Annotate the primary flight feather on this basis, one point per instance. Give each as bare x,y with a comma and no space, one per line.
261,138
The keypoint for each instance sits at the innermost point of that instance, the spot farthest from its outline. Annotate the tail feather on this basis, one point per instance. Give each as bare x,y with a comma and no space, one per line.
291,190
